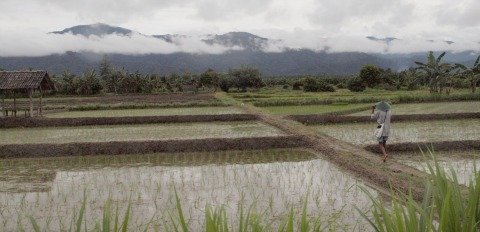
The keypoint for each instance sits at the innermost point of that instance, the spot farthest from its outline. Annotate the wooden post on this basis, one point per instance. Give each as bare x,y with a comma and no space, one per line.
14,104
40,110
30,93
3,104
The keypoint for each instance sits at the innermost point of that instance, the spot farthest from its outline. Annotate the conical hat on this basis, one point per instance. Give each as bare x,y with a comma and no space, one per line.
383,106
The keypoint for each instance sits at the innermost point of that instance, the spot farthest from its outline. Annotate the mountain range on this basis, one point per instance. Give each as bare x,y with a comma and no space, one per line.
246,49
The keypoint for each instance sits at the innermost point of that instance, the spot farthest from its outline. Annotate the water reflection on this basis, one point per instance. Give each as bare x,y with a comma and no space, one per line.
271,181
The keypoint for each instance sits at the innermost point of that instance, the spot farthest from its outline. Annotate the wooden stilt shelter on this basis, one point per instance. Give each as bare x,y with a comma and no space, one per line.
23,83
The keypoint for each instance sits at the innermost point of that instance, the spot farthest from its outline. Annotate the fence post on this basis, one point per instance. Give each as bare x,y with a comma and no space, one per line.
3,104
30,93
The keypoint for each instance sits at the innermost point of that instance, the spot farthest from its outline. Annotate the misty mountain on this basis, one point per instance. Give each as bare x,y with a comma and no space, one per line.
252,53
386,40
243,40
98,29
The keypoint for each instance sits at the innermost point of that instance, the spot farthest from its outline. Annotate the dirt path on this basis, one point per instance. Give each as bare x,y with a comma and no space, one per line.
357,161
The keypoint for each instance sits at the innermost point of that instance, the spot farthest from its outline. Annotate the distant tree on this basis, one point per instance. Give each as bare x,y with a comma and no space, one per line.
105,68
310,85
69,83
210,78
246,77
472,74
89,84
370,75
226,83
408,79
438,73
356,84
297,85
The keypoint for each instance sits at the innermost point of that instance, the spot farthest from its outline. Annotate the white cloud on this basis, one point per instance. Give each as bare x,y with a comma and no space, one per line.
40,44
339,25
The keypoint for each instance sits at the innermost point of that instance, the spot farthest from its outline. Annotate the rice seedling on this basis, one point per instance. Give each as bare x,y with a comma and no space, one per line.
464,164
438,130
136,132
241,183
147,112
432,108
446,206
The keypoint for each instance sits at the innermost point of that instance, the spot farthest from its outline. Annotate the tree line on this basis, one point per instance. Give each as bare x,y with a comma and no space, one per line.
438,76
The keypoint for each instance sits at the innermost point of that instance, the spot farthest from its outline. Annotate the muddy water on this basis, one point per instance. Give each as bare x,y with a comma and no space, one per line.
147,112
136,132
439,130
463,163
270,182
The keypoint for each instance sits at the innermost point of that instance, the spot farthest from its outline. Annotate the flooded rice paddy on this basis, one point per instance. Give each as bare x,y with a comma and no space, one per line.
422,131
267,181
432,108
463,163
147,112
136,132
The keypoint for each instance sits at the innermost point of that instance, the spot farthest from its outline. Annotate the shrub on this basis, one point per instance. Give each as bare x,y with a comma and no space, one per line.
323,86
356,85
297,85
370,75
310,85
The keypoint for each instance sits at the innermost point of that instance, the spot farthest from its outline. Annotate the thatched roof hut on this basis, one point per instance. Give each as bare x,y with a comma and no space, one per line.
12,82
25,80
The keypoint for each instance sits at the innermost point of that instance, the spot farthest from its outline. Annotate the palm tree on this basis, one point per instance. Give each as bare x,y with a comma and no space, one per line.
472,73
438,73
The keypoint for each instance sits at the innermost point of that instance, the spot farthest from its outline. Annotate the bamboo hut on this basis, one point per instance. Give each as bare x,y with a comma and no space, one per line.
21,83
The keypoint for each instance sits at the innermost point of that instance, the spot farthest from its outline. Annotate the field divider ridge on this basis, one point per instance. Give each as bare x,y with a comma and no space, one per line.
90,121
149,146
460,145
330,119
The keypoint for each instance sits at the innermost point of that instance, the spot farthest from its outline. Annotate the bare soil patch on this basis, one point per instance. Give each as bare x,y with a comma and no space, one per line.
55,122
330,119
463,145
145,147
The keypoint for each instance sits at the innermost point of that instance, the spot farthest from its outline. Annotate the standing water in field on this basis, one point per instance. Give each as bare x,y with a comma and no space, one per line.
269,182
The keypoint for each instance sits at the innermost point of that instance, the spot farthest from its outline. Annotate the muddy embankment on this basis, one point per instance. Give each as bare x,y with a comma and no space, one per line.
325,119
144,147
54,122
463,145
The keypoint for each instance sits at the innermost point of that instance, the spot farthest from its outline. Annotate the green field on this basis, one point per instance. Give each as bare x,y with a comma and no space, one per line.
136,132
432,108
314,109
279,97
146,112
268,188
441,130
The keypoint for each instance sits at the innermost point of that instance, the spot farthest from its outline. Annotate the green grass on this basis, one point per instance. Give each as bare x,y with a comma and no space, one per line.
147,112
432,108
463,163
123,106
315,109
438,130
267,97
446,206
136,132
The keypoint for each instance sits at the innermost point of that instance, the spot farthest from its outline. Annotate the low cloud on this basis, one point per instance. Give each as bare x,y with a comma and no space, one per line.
37,43
41,44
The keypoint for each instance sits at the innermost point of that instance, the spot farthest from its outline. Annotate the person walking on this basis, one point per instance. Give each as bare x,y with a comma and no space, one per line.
381,112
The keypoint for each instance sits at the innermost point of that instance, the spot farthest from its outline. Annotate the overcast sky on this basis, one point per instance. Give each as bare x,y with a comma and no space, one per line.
339,24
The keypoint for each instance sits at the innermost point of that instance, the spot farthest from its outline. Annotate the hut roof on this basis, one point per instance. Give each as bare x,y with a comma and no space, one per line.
15,80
